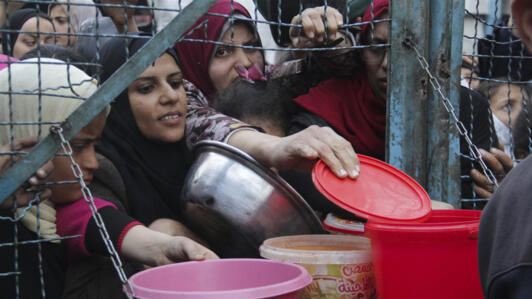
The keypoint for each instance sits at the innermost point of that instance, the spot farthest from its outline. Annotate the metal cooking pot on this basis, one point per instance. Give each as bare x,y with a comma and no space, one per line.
234,203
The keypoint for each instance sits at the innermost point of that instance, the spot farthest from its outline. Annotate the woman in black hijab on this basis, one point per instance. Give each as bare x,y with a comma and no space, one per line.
29,21
152,170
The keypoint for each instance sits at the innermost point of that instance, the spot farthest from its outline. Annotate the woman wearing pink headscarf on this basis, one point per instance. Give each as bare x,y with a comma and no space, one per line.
212,67
208,66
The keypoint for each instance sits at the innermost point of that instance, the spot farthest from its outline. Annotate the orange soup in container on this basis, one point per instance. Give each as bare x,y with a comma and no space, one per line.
341,265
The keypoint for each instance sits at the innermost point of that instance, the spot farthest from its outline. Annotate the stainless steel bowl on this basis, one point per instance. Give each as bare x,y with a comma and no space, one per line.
234,203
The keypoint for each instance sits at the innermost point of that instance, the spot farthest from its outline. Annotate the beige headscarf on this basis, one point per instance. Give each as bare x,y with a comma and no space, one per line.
78,13
63,89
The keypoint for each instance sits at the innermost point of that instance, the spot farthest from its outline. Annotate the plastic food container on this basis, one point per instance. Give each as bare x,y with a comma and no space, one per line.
222,279
341,266
337,225
417,252
436,259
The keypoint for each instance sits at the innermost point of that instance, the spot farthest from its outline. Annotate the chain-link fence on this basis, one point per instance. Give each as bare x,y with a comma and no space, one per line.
401,80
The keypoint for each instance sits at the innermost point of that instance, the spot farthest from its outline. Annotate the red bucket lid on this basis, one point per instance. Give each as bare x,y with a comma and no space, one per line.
381,193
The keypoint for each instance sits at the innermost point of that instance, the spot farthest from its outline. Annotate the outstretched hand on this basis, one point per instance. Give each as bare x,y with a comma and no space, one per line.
301,150
153,248
179,249
499,163
25,193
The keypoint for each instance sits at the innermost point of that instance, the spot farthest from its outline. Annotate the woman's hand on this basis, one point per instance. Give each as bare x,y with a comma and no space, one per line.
301,150
25,193
153,248
178,249
313,22
470,73
499,163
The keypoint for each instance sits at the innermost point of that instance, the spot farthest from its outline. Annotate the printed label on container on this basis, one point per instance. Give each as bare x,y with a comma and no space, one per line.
340,281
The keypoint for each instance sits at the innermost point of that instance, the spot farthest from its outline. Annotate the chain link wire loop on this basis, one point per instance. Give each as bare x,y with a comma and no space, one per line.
87,196
462,130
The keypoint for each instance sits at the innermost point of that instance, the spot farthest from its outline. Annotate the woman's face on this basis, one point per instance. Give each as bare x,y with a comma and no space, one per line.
28,41
506,106
222,66
159,102
60,19
83,151
376,58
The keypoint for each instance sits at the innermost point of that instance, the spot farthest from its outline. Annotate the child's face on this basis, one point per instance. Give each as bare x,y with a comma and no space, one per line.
83,152
506,102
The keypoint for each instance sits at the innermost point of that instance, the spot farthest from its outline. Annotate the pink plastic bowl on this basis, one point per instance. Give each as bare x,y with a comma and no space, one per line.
225,278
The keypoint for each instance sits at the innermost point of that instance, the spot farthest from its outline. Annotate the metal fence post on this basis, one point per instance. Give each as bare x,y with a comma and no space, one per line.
427,148
45,150
445,58
407,89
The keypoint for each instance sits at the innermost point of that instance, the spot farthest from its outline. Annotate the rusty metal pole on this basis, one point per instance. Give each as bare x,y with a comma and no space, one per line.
445,58
407,89
421,138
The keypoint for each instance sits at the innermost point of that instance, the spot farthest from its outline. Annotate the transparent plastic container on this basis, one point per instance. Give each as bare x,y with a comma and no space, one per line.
341,265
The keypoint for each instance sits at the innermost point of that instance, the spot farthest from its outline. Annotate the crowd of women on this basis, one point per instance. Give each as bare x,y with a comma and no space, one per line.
135,154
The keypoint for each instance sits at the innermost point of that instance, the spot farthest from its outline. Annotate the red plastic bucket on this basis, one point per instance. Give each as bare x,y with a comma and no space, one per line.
436,259
220,279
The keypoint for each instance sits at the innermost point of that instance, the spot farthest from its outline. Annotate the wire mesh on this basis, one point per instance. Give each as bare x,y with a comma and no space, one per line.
497,65
74,32
39,262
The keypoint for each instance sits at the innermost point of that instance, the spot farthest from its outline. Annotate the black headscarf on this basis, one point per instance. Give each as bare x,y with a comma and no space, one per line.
16,21
496,50
152,172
